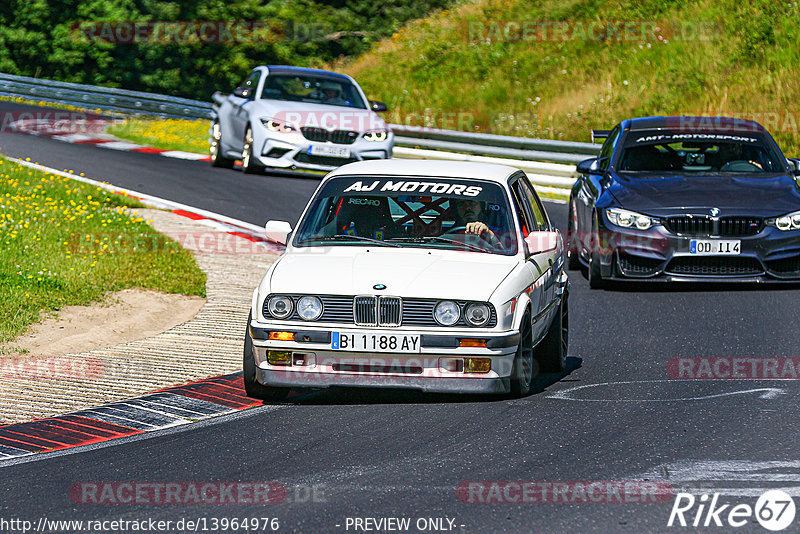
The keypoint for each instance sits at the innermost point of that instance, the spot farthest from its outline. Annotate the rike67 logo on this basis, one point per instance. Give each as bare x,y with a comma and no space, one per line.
774,510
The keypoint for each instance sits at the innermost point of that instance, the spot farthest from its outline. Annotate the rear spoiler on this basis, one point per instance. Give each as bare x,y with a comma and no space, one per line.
600,134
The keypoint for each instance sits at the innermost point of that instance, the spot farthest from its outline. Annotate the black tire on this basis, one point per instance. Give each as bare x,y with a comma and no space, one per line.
551,352
595,276
249,164
215,147
523,370
254,388
574,251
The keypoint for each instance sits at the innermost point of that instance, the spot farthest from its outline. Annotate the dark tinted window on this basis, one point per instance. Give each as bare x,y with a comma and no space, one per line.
699,152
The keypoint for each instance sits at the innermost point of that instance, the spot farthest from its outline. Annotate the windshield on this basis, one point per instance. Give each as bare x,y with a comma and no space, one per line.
440,213
660,152
317,90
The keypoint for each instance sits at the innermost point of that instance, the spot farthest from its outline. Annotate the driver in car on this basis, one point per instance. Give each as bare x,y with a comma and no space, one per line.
332,94
468,213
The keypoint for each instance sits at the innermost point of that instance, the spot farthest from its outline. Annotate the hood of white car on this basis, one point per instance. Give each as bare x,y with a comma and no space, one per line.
317,115
410,272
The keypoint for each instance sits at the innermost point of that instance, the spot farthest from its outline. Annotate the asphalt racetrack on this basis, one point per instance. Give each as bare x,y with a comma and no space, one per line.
618,414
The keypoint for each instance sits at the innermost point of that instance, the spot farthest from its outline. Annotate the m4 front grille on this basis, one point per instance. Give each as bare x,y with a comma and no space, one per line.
320,135
702,226
369,310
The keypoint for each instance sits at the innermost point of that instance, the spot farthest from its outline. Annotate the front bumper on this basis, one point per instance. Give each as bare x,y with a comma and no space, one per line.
315,364
292,150
658,255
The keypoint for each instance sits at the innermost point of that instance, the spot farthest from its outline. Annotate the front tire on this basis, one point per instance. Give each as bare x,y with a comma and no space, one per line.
574,251
253,387
522,371
215,148
595,276
249,164
551,352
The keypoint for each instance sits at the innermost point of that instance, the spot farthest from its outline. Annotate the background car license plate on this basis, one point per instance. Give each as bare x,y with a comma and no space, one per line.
363,342
325,150
715,247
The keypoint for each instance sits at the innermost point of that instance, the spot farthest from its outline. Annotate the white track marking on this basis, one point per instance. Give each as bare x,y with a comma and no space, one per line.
766,393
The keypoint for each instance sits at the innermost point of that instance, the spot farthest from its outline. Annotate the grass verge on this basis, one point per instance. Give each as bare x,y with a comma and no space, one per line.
166,134
61,245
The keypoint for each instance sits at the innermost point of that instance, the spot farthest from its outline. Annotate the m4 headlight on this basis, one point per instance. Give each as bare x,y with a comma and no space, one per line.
787,222
630,219
278,126
376,135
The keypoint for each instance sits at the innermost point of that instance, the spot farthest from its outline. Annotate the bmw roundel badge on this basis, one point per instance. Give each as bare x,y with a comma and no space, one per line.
379,287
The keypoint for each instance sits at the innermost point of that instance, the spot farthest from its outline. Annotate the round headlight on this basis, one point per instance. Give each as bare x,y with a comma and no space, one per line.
642,223
796,220
309,308
280,307
477,314
447,313
783,223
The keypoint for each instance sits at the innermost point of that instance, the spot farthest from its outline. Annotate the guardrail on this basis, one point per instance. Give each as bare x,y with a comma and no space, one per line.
549,162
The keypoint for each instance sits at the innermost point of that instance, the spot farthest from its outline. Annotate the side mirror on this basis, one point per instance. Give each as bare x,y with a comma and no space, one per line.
377,106
590,166
539,242
794,165
243,92
277,231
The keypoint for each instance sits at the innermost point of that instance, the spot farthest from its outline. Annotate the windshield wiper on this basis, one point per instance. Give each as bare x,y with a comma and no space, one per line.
347,237
426,239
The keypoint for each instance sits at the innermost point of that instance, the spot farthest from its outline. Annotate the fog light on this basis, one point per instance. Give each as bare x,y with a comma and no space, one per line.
454,365
281,336
477,365
472,343
279,357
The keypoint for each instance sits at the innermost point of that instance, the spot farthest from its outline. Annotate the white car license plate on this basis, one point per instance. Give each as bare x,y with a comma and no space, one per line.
363,342
326,150
715,247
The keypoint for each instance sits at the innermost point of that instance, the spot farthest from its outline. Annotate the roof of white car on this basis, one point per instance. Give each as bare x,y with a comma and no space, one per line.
427,168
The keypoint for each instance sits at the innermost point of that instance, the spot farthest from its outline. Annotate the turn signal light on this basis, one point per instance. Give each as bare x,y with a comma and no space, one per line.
281,336
472,343
279,357
477,365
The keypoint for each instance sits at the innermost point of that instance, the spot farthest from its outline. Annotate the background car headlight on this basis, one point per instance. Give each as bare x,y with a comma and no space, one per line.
377,135
630,219
309,308
786,222
280,307
477,314
447,313
277,126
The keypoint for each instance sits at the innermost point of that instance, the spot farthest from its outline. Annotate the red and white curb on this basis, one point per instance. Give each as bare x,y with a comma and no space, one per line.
167,408
54,130
217,221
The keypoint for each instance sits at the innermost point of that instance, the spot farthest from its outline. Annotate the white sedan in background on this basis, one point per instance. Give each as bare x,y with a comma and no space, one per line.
439,276
297,118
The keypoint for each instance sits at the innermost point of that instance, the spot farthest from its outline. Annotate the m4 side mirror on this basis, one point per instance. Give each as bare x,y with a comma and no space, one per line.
277,231
794,165
590,166
243,92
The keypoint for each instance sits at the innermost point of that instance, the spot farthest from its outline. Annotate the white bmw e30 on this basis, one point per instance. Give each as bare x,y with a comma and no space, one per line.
439,276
